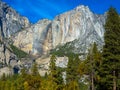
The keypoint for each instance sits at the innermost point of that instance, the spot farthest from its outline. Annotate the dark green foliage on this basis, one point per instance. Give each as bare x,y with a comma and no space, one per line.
72,74
21,81
52,64
91,67
35,70
18,52
110,69
72,67
55,73
93,63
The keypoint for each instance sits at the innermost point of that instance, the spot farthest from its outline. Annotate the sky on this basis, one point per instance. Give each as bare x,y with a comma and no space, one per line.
35,10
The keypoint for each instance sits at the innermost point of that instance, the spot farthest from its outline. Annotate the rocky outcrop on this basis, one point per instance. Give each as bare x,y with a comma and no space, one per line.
43,64
78,24
36,39
6,70
6,56
10,21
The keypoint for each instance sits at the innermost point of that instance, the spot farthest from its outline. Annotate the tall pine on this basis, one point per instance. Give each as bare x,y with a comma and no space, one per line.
111,52
55,74
91,66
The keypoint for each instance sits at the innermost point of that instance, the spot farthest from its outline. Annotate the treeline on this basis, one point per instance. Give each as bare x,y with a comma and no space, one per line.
100,70
56,79
103,68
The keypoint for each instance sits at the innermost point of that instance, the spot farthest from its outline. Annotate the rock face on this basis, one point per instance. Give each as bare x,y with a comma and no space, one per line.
43,64
35,39
10,21
78,24
6,71
6,56
81,26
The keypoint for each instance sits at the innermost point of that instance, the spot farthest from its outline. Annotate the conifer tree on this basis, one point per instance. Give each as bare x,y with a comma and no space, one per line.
91,66
35,70
55,73
34,80
71,69
111,51
72,74
53,68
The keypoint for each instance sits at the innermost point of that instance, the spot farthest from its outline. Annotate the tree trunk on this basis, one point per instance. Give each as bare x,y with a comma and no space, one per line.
114,81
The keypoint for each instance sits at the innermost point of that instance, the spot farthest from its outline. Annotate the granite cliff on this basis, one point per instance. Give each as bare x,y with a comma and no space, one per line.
79,27
78,24
10,21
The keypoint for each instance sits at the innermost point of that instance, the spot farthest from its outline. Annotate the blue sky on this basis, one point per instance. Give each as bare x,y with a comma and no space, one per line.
35,10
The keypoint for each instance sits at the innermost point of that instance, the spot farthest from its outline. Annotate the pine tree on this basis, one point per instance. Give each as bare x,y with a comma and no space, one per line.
55,73
72,69
34,79
72,74
53,68
111,51
34,70
91,66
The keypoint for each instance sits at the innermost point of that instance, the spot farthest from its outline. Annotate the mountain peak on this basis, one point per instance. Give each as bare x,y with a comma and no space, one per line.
82,8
